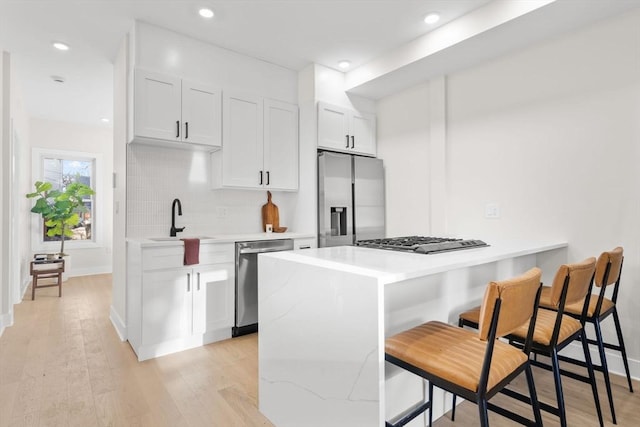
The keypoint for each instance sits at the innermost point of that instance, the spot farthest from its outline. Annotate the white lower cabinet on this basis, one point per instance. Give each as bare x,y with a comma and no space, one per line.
187,303
305,243
174,309
213,301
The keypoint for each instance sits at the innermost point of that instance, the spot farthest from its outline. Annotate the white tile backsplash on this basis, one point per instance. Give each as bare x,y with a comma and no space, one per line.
157,175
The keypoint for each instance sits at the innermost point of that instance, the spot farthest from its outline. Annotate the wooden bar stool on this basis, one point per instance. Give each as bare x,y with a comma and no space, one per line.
46,269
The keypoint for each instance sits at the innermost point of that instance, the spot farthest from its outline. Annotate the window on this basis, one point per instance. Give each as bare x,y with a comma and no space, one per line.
62,168
62,172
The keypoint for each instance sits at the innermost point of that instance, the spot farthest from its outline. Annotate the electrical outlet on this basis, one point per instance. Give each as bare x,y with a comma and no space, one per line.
221,212
492,210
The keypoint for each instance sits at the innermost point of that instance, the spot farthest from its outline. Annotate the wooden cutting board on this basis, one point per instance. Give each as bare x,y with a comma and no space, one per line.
270,215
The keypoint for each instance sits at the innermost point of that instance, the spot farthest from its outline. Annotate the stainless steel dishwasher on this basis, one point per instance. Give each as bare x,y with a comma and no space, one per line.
247,281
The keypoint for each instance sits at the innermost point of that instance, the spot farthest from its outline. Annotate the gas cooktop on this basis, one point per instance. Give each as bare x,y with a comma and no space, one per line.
421,244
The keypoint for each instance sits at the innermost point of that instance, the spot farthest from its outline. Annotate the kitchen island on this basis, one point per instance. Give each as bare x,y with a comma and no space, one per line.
324,315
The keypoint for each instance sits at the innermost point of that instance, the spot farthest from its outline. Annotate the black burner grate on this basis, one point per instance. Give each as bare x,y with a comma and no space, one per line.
421,244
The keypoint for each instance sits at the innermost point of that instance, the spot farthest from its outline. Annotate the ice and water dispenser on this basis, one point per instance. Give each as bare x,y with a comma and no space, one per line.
338,221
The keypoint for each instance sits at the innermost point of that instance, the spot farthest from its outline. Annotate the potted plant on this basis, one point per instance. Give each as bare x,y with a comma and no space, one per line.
60,209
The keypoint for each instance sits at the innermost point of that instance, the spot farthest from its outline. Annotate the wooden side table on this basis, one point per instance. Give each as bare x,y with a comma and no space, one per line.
46,269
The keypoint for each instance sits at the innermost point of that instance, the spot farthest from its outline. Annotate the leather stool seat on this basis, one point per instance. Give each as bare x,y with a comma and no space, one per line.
576,307
545,322
454,354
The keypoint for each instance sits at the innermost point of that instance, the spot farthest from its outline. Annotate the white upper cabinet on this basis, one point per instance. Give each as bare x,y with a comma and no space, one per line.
260,145
280,145
362,132
345,130
201,114
333,127
157,106
171,110
243,146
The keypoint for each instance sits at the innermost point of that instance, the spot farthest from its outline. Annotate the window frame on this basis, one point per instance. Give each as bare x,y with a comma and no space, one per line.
37,225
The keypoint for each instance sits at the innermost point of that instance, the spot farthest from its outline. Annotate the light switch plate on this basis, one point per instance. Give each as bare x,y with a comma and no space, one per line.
492,210
221,212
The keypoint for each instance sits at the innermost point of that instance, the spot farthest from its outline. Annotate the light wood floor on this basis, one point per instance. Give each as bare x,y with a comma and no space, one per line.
62,364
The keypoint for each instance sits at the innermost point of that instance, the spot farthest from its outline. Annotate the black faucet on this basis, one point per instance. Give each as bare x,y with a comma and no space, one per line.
175,230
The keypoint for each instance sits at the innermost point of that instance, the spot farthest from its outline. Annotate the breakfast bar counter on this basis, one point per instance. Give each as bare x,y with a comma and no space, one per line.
324,315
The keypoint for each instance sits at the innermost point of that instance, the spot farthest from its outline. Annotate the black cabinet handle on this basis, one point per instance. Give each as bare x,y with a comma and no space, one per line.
186,130
267,177
347,136
188,282
352,141
260,177
198,281
177,128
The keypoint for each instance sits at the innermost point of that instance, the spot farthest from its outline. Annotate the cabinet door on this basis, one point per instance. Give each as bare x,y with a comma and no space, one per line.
280,145
166,305
333,127
157,106
242,142
213,298
363,130
201,114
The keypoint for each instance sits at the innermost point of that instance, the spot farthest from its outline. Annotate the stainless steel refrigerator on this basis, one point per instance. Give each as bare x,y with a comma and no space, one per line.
350,199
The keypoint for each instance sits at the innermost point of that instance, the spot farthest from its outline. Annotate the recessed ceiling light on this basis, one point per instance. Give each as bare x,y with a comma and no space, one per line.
58,79
206,13
431,18
104,120
60,45
344,64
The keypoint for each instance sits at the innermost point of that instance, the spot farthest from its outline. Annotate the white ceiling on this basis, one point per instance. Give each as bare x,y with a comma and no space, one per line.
291,33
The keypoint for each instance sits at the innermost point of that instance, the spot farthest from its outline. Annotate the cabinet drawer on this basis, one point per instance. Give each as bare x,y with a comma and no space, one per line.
306,243
173,256
216,253
162,258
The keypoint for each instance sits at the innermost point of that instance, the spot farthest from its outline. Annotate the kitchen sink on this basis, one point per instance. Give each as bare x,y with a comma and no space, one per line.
169,239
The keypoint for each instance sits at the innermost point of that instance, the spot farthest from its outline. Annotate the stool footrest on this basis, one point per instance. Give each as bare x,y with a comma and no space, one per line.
410,414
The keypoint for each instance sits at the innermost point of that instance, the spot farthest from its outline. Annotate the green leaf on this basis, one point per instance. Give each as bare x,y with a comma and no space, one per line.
41,187
72,220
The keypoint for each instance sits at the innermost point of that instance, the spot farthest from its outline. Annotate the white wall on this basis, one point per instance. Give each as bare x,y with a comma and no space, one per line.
21,183
164,51
403,144
551,135
13,234
118,308
57,135
6,316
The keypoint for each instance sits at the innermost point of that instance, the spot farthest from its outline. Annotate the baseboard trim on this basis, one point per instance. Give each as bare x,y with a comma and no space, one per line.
23,289
6,320
614,359
90,271
118,324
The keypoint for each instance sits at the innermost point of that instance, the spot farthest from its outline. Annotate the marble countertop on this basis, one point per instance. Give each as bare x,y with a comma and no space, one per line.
219,238
393,266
